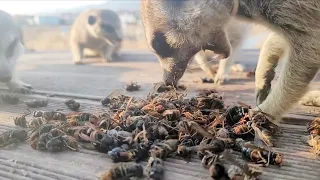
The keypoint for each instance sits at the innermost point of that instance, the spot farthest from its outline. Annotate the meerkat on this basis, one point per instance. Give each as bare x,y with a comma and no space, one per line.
11,48
237,32
177,30
99,31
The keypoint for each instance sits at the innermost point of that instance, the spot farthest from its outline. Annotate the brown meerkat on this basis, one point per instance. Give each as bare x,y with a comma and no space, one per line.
98,30
11,48
177,30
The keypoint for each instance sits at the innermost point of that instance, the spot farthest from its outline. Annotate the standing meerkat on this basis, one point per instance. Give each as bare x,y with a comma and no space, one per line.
177,30
11,48
98,30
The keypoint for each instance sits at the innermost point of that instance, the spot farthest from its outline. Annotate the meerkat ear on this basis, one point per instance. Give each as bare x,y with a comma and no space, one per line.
92,20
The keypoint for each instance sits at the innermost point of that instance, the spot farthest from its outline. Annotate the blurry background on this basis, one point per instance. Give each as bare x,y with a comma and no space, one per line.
46,24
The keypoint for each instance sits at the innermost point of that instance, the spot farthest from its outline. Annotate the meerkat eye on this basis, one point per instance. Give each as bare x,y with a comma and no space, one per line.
107,28
92,20
10,50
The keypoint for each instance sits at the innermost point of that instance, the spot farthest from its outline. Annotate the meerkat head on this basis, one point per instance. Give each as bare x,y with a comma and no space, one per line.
106,26
177,30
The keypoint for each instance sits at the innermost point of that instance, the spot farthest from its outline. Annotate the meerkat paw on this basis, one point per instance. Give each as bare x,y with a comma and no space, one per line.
220,79
107,59
78,63
20,87
311,98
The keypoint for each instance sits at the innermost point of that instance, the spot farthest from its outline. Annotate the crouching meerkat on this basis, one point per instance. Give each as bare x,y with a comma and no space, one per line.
98,30
237,32
177,30
11,48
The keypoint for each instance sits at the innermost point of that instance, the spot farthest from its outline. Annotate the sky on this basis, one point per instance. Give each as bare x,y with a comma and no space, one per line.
32,7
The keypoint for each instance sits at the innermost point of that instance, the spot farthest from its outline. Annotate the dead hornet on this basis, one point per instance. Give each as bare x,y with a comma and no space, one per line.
217,146
257,154
112,139
121,154
137,122
164,149
172,114
195,127
35,122
71,142
58,143
36,103
155,168
50,115
314,142
55,141
243,129
37,113
133,86
160,88
210,102
235,113
157,131
207,80
84,117
223,133
218,171
236,173
43,139
106,101
55,144
124,171
314,127
12,136
10,99
81,119
211,161
45,128
186,140
21,121
121,136
72,104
